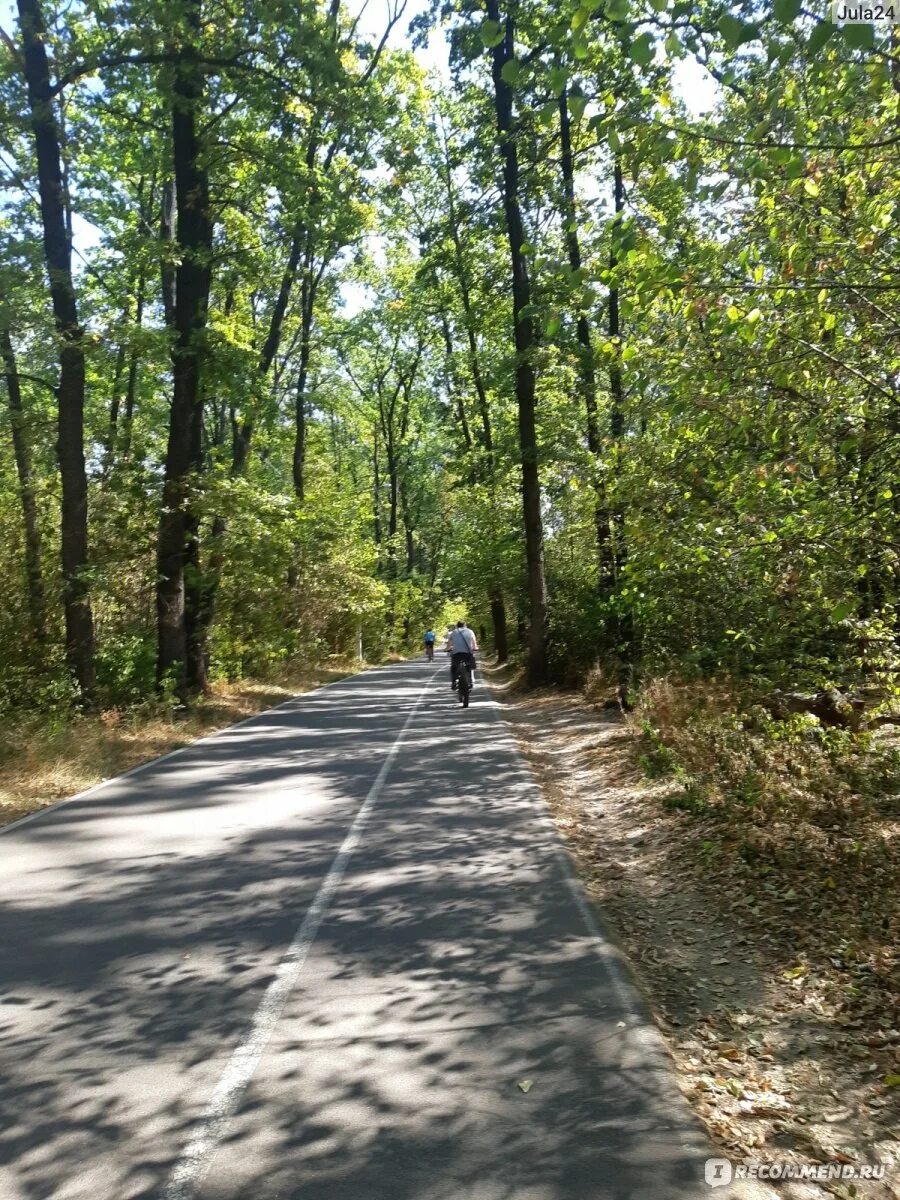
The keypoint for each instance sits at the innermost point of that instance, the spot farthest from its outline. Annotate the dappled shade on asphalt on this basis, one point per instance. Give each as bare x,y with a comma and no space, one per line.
142,923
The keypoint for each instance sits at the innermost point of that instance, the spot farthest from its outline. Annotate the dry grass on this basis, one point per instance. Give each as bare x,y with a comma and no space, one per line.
41,762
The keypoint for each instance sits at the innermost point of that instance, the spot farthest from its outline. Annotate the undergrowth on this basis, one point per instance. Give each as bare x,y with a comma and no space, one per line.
802,821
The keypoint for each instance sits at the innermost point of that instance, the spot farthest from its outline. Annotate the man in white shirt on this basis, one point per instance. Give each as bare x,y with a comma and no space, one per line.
462,645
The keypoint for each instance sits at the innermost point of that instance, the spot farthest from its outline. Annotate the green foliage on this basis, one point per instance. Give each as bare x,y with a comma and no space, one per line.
717,470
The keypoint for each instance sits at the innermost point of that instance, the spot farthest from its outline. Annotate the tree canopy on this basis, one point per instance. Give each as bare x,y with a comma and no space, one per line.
303,344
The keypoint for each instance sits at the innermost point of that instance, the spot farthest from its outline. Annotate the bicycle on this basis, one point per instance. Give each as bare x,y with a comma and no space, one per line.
429,651
464,682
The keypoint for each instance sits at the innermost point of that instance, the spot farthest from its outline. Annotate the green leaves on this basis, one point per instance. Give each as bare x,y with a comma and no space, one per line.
736,33
557,77
577,105
511,72
859,37
491,33
820,36
842,610
642,50
787,11
617,10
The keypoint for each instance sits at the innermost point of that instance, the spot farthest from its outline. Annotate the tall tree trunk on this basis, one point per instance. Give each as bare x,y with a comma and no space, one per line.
616,390
71,388
37,605
586,366
498,619
307,309
408,532
167,242
462,279
525,343
496,600
178,595
131,385
376,497
136,287
112,429
454,390
624,624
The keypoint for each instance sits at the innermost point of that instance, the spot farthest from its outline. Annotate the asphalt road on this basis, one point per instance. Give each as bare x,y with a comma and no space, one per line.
313,957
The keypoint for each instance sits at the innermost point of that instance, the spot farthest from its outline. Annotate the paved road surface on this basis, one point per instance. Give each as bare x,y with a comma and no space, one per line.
311,958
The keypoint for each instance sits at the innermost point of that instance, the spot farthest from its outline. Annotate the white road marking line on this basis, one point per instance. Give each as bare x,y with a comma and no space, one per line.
197,1154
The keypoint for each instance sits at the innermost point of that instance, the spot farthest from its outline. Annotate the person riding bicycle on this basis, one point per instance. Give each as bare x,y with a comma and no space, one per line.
462,644
429,640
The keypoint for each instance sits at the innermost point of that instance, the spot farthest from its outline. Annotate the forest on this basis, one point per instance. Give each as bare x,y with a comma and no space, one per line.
326,321
305,346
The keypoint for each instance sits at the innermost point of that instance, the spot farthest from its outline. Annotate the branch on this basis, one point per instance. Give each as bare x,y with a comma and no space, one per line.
392,21
12,48
844,366
725,141
39,380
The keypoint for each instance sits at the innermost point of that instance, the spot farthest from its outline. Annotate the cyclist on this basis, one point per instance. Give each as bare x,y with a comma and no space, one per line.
462,645
429,640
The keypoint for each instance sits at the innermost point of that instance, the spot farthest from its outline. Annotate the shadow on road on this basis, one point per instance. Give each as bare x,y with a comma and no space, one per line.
142,924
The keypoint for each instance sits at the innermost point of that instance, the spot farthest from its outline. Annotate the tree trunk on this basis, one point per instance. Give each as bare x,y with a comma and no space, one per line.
307,308
586,367
131,385
37,605
180,650
454,391
462,279
167,240
71,388
525,343
376,499
624,624
498,618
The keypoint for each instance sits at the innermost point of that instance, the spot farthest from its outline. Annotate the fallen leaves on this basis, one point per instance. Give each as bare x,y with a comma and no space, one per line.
772,991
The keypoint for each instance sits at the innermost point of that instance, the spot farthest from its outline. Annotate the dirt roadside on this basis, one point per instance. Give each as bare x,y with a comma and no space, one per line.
775,1069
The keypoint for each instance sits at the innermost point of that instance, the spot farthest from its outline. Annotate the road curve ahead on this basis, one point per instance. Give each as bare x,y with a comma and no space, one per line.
314,957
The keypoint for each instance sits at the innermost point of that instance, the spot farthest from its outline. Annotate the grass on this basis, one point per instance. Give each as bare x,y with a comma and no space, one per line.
43,761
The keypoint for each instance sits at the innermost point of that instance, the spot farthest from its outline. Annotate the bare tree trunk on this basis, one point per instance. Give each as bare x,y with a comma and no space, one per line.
71,389
453,388
376,497
462,279
180,652
525,342
37,604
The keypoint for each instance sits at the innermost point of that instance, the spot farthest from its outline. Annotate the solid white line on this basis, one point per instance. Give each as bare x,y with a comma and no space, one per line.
152,762
239,1070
